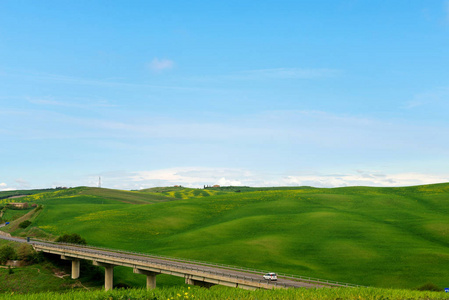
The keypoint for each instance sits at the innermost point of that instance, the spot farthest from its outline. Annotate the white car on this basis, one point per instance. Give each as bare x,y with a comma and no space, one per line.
270,276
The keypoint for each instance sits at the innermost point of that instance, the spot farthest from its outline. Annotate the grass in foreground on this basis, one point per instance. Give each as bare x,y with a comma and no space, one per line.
32,279
232,293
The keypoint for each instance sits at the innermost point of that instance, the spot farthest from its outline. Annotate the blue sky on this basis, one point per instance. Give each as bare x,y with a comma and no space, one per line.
259,93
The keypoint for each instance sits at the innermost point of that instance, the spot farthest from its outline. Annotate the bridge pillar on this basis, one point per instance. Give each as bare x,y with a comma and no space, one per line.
151,277
75,266
108,274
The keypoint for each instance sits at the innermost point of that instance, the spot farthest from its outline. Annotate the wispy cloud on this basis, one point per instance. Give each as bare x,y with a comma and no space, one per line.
436,97
274,74
22,183
310,129
102,82
161,64
286,73
76,103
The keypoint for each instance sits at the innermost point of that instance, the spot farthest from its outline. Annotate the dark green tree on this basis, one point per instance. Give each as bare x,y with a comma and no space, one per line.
73,238
7,253
25,224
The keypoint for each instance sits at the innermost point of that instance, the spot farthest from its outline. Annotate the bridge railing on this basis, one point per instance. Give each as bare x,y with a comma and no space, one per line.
130,256
305,279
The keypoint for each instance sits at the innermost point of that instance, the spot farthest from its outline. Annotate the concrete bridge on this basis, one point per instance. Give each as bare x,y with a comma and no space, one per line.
201,274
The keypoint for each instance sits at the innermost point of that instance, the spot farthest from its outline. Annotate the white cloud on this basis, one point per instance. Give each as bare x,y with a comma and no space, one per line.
161,64
4,187
190,176
227,182
197,177
366,179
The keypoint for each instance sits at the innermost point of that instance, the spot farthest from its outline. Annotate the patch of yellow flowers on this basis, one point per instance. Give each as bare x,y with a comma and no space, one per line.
182,295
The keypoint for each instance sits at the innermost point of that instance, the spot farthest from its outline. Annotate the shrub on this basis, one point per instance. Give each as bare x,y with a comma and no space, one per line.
429,287
122,285
26,252
7,253
25,224
73,238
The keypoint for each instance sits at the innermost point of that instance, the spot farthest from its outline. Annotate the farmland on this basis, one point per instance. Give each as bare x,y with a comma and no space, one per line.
382,237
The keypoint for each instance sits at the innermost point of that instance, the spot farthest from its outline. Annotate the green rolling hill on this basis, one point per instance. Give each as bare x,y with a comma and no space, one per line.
383,237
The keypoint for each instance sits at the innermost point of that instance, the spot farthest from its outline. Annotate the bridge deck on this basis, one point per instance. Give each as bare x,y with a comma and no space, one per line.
193,273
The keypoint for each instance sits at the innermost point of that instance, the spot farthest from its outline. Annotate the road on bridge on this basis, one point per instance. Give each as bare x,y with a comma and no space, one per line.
203,270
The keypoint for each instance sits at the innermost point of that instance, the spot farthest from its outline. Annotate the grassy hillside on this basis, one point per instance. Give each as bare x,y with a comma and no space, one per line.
182,192
386,237
4,195
186,193
130,197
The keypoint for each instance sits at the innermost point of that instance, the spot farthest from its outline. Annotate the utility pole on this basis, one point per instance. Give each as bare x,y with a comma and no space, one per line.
99,182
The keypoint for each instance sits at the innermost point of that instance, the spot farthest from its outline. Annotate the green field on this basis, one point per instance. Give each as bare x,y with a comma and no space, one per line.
382,237
33,278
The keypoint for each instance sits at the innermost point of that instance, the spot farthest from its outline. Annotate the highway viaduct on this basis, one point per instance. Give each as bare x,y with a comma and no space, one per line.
201,274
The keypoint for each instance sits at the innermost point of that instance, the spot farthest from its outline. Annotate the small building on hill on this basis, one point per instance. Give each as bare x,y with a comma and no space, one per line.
21,205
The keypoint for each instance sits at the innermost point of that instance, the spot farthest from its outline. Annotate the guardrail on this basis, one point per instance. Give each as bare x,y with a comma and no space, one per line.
132,257
304,279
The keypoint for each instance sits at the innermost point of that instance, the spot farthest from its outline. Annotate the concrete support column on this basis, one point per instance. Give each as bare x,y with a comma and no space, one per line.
151,277
108,277
108,274
75,266
151,282
75,269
